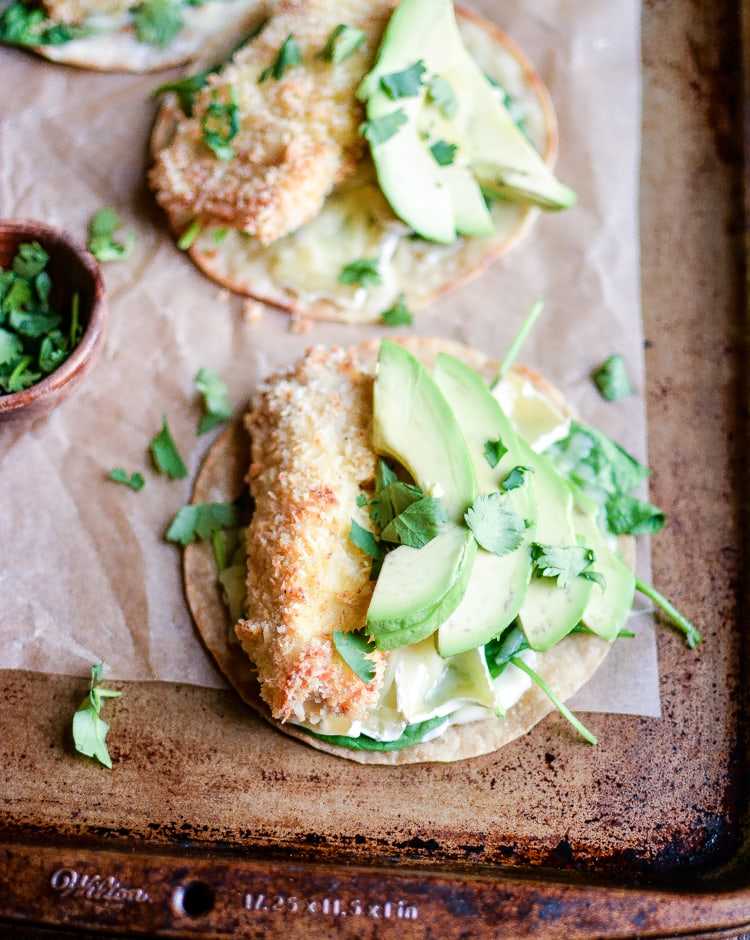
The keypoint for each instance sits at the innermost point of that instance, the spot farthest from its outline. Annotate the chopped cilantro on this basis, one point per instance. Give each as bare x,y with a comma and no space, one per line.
397,315
494,451
630,515
516,478
288,56
495,524
89,729
35,338
564,563
353,646
363,271
166,456
157,22
443,152
441,94
220,124
612,379
134,480
216,403
201,521
341,43
404,84
381,129
24,25
101,242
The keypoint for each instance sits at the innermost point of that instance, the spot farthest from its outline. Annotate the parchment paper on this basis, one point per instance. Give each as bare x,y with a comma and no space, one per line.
85,572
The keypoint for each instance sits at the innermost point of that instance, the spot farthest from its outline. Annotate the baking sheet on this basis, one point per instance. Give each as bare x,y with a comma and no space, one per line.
548,838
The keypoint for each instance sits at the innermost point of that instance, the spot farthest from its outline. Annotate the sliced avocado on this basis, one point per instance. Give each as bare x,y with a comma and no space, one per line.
492,154
419,587
498,583
608,609
549,612
414,424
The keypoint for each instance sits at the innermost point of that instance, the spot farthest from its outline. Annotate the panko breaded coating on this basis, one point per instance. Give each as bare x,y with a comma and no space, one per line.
74,12
311,456
298,135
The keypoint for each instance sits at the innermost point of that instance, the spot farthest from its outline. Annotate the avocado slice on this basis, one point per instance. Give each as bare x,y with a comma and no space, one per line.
414,424
549,612
498,583
608,609
492,155
419,587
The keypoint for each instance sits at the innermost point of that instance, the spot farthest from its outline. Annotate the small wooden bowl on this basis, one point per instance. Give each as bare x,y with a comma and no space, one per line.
72,269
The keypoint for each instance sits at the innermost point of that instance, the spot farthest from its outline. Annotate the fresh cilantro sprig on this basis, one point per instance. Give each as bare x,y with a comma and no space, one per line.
342,42
89,728
101,241
505,650
564,563
201,521
288,56
496,526
355,647
494,451
443,152
216,402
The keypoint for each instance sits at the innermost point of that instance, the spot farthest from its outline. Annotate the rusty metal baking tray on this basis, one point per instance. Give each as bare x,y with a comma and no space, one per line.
216,826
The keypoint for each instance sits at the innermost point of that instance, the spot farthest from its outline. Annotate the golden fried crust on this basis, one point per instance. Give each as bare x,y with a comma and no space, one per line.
73,12
299,134
311,456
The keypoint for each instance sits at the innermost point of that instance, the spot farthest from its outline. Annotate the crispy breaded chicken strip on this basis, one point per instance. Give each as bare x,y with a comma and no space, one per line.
311,455
299,134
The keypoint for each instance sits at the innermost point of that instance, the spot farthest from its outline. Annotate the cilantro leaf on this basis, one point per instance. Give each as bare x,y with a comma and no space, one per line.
30,260
101,242
366,541
201,521
89,729
288,56
363,271
22,25
218,407
157,22
441,94
397,315
165,454
353,647
381,129
495,524
220,124
404,84
391,499
417,524
564,563
341,43
443,152
632,516
410,735
612,379
516,478
11,346
134,480
494,451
